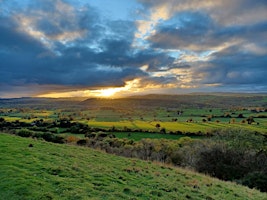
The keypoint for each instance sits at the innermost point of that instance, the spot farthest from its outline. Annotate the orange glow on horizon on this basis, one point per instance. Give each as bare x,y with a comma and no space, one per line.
130,87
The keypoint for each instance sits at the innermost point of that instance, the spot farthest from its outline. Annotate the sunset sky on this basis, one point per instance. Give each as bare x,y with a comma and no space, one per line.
112,48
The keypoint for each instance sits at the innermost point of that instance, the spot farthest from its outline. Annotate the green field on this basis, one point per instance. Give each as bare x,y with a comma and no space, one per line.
175,113
192,127
138,136
52,171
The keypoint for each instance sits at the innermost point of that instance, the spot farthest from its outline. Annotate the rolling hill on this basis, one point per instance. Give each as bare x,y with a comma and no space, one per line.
34,169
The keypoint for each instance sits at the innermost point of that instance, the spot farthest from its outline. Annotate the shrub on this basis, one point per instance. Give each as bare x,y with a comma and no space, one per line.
24,133
49,137
82,142
221,162
256,180
2,119
71,139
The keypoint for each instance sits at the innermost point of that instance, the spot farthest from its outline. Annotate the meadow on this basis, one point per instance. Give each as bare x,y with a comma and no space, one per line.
219,135
174,120
54,171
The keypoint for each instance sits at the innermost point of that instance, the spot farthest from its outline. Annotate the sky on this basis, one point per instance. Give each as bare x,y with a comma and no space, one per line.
114,48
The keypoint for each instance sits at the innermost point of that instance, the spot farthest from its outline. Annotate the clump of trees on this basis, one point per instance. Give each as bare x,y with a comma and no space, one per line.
47,136
234,155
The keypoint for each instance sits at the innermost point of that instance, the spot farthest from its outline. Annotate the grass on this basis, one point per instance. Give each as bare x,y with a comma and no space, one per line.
136,136
108,116
52,171
204,127
140,135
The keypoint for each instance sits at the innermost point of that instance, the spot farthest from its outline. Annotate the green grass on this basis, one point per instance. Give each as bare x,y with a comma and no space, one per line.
108,116
136,136
52,171
140,135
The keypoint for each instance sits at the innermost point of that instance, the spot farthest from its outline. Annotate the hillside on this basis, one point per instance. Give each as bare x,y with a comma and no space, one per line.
196,100
52,171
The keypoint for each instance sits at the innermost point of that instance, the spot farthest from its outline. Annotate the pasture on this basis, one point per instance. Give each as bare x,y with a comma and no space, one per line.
187,120
53,171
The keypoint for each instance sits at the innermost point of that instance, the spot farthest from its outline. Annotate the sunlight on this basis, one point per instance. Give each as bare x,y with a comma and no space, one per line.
131,87
108,92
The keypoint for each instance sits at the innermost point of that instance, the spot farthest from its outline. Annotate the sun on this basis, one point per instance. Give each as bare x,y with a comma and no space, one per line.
109,92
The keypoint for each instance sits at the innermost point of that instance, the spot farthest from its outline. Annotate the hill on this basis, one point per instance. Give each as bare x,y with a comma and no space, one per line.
53,171
212,100
196,100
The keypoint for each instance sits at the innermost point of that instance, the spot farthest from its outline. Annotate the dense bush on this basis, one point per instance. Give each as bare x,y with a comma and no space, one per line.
256,180
50,137
25,133
232,154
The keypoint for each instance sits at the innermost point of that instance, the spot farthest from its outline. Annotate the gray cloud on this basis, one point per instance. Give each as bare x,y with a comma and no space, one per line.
58,45
82,63
197,31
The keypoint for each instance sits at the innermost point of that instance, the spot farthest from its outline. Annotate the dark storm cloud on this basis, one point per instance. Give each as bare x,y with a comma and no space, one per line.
12,40
83,62
69,44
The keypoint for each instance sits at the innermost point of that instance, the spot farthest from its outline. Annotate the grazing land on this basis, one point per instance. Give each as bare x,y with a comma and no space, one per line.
221,135
175,113
53,171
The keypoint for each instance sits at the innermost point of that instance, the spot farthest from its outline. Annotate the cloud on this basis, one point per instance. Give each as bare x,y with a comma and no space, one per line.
225,12
63,45
41,55
197,31
231,68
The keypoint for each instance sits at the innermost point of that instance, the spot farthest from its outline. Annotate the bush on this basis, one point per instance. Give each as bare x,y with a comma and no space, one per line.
221,162
71,139
256,180
49,137
25,133
2,119
82,142
231,154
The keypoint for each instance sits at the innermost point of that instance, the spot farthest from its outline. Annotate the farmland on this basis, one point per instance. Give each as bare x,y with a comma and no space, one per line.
223,136
176,114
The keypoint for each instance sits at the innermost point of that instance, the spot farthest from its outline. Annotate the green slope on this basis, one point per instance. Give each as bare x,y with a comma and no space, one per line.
51,171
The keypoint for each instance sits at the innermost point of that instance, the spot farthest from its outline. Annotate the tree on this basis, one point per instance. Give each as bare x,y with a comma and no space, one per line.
2,119
163,131
157,125
250,120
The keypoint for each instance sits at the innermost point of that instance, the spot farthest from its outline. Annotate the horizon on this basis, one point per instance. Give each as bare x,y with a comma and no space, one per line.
145,95
116,49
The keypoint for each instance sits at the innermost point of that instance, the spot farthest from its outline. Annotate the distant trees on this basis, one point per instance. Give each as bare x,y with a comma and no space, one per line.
189,120
2,119
250,120
240,115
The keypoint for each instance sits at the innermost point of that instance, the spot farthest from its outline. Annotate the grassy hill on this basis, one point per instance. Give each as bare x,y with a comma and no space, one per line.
52,171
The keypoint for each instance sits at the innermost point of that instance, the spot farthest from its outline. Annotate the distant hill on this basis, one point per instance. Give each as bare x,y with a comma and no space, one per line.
188,100
197,100
40,103
33,169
